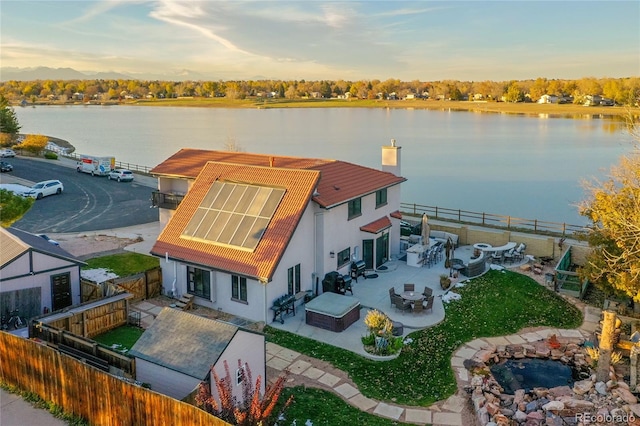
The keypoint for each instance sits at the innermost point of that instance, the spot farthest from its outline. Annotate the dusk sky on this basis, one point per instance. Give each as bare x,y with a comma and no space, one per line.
316,40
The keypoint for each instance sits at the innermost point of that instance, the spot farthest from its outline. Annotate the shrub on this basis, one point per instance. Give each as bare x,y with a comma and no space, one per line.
50,155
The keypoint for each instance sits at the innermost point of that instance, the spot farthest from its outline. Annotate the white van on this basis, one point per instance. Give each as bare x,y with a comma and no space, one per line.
95,166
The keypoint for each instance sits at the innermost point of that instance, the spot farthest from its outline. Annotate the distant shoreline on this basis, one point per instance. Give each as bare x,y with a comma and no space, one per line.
521,108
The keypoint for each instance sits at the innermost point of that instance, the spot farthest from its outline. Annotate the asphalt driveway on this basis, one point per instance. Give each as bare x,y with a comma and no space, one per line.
87,203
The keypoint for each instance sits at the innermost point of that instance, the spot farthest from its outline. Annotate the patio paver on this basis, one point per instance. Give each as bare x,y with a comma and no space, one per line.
278,363
389,411
478,344
362,402
449,419
312,373
465,352
455,403
413,415
299,366
570,333
329,379
456,361
514,339
288,354
497,341
346,390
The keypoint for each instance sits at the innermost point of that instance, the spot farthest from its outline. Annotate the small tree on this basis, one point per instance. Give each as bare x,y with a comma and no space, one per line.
8,120
13,207
34,144
253,410
614,211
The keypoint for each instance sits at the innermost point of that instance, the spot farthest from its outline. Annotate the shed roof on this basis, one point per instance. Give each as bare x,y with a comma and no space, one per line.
184,342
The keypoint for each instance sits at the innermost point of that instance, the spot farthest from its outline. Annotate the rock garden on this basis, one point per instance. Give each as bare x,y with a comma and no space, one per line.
503,397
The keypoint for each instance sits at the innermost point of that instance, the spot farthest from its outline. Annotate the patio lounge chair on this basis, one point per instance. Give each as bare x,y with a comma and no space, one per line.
400,303
409,287
429,304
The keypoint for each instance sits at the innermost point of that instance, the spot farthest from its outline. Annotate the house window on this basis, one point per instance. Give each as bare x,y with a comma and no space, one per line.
238,288
293,278
355,208
199,282
241,374
344,257
381,197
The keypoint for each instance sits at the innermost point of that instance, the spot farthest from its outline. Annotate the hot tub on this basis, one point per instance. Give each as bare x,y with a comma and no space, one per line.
332,311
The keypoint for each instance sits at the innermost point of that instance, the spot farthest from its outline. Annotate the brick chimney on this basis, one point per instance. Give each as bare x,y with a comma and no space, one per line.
391,158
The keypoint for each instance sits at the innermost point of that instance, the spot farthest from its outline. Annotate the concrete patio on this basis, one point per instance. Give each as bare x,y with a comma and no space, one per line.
373,293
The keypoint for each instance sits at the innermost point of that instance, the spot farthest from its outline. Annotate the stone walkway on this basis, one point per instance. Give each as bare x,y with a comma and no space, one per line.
448,412
319,374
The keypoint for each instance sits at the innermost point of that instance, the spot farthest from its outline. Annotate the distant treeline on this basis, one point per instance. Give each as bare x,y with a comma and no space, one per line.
621,91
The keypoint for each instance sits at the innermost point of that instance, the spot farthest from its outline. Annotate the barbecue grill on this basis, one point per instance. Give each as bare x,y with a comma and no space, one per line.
357,269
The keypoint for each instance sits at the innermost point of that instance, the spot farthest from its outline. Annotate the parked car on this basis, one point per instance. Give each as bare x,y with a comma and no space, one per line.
121,175
45,188
54,242
7,152
5,167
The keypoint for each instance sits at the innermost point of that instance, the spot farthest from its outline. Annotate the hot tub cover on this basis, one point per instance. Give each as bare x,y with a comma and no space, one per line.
332,304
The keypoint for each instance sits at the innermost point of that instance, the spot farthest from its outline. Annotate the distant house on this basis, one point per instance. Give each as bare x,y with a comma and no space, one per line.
35,274
179,349
592,100
254,227
548,99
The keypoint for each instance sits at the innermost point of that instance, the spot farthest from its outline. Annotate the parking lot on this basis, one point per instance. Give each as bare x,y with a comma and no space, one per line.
87,203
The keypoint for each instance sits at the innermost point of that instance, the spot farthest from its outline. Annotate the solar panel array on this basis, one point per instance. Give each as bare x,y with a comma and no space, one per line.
234,214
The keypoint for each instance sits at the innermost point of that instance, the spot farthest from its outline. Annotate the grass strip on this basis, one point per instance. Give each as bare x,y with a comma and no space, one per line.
124,337
124,264
495,304
323,408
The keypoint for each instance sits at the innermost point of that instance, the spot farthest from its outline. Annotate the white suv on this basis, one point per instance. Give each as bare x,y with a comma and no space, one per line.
42,189
121,175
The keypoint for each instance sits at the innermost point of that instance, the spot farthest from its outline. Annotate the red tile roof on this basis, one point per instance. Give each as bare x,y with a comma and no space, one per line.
396,214
377,225
262,262
340,181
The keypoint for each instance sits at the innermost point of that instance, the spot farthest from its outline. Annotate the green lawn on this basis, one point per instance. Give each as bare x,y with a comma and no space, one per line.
324,408
495,304
125,336
124,264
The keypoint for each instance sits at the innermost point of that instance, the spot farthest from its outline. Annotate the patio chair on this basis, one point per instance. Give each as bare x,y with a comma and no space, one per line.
409,287
518,254
418,306
429,304
496,257
392,293
509,256
400,303
427,292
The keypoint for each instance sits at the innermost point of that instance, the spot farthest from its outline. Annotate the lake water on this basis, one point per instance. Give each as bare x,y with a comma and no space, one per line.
529,167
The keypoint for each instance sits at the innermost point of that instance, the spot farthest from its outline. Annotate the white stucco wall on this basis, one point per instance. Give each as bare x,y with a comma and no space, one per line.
164,380
249,348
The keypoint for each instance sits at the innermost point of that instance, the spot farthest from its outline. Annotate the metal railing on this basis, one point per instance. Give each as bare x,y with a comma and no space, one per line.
492,220
165,201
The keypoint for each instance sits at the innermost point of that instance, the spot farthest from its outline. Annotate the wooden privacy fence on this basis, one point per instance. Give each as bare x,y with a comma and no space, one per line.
145,285
86,350
81,390
91,318
492,220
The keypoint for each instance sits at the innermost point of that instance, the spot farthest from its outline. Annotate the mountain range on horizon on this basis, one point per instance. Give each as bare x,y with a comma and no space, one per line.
47,73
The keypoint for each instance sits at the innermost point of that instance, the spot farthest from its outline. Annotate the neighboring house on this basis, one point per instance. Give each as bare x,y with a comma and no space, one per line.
35,274
548,99
254,227
177,352
592,100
